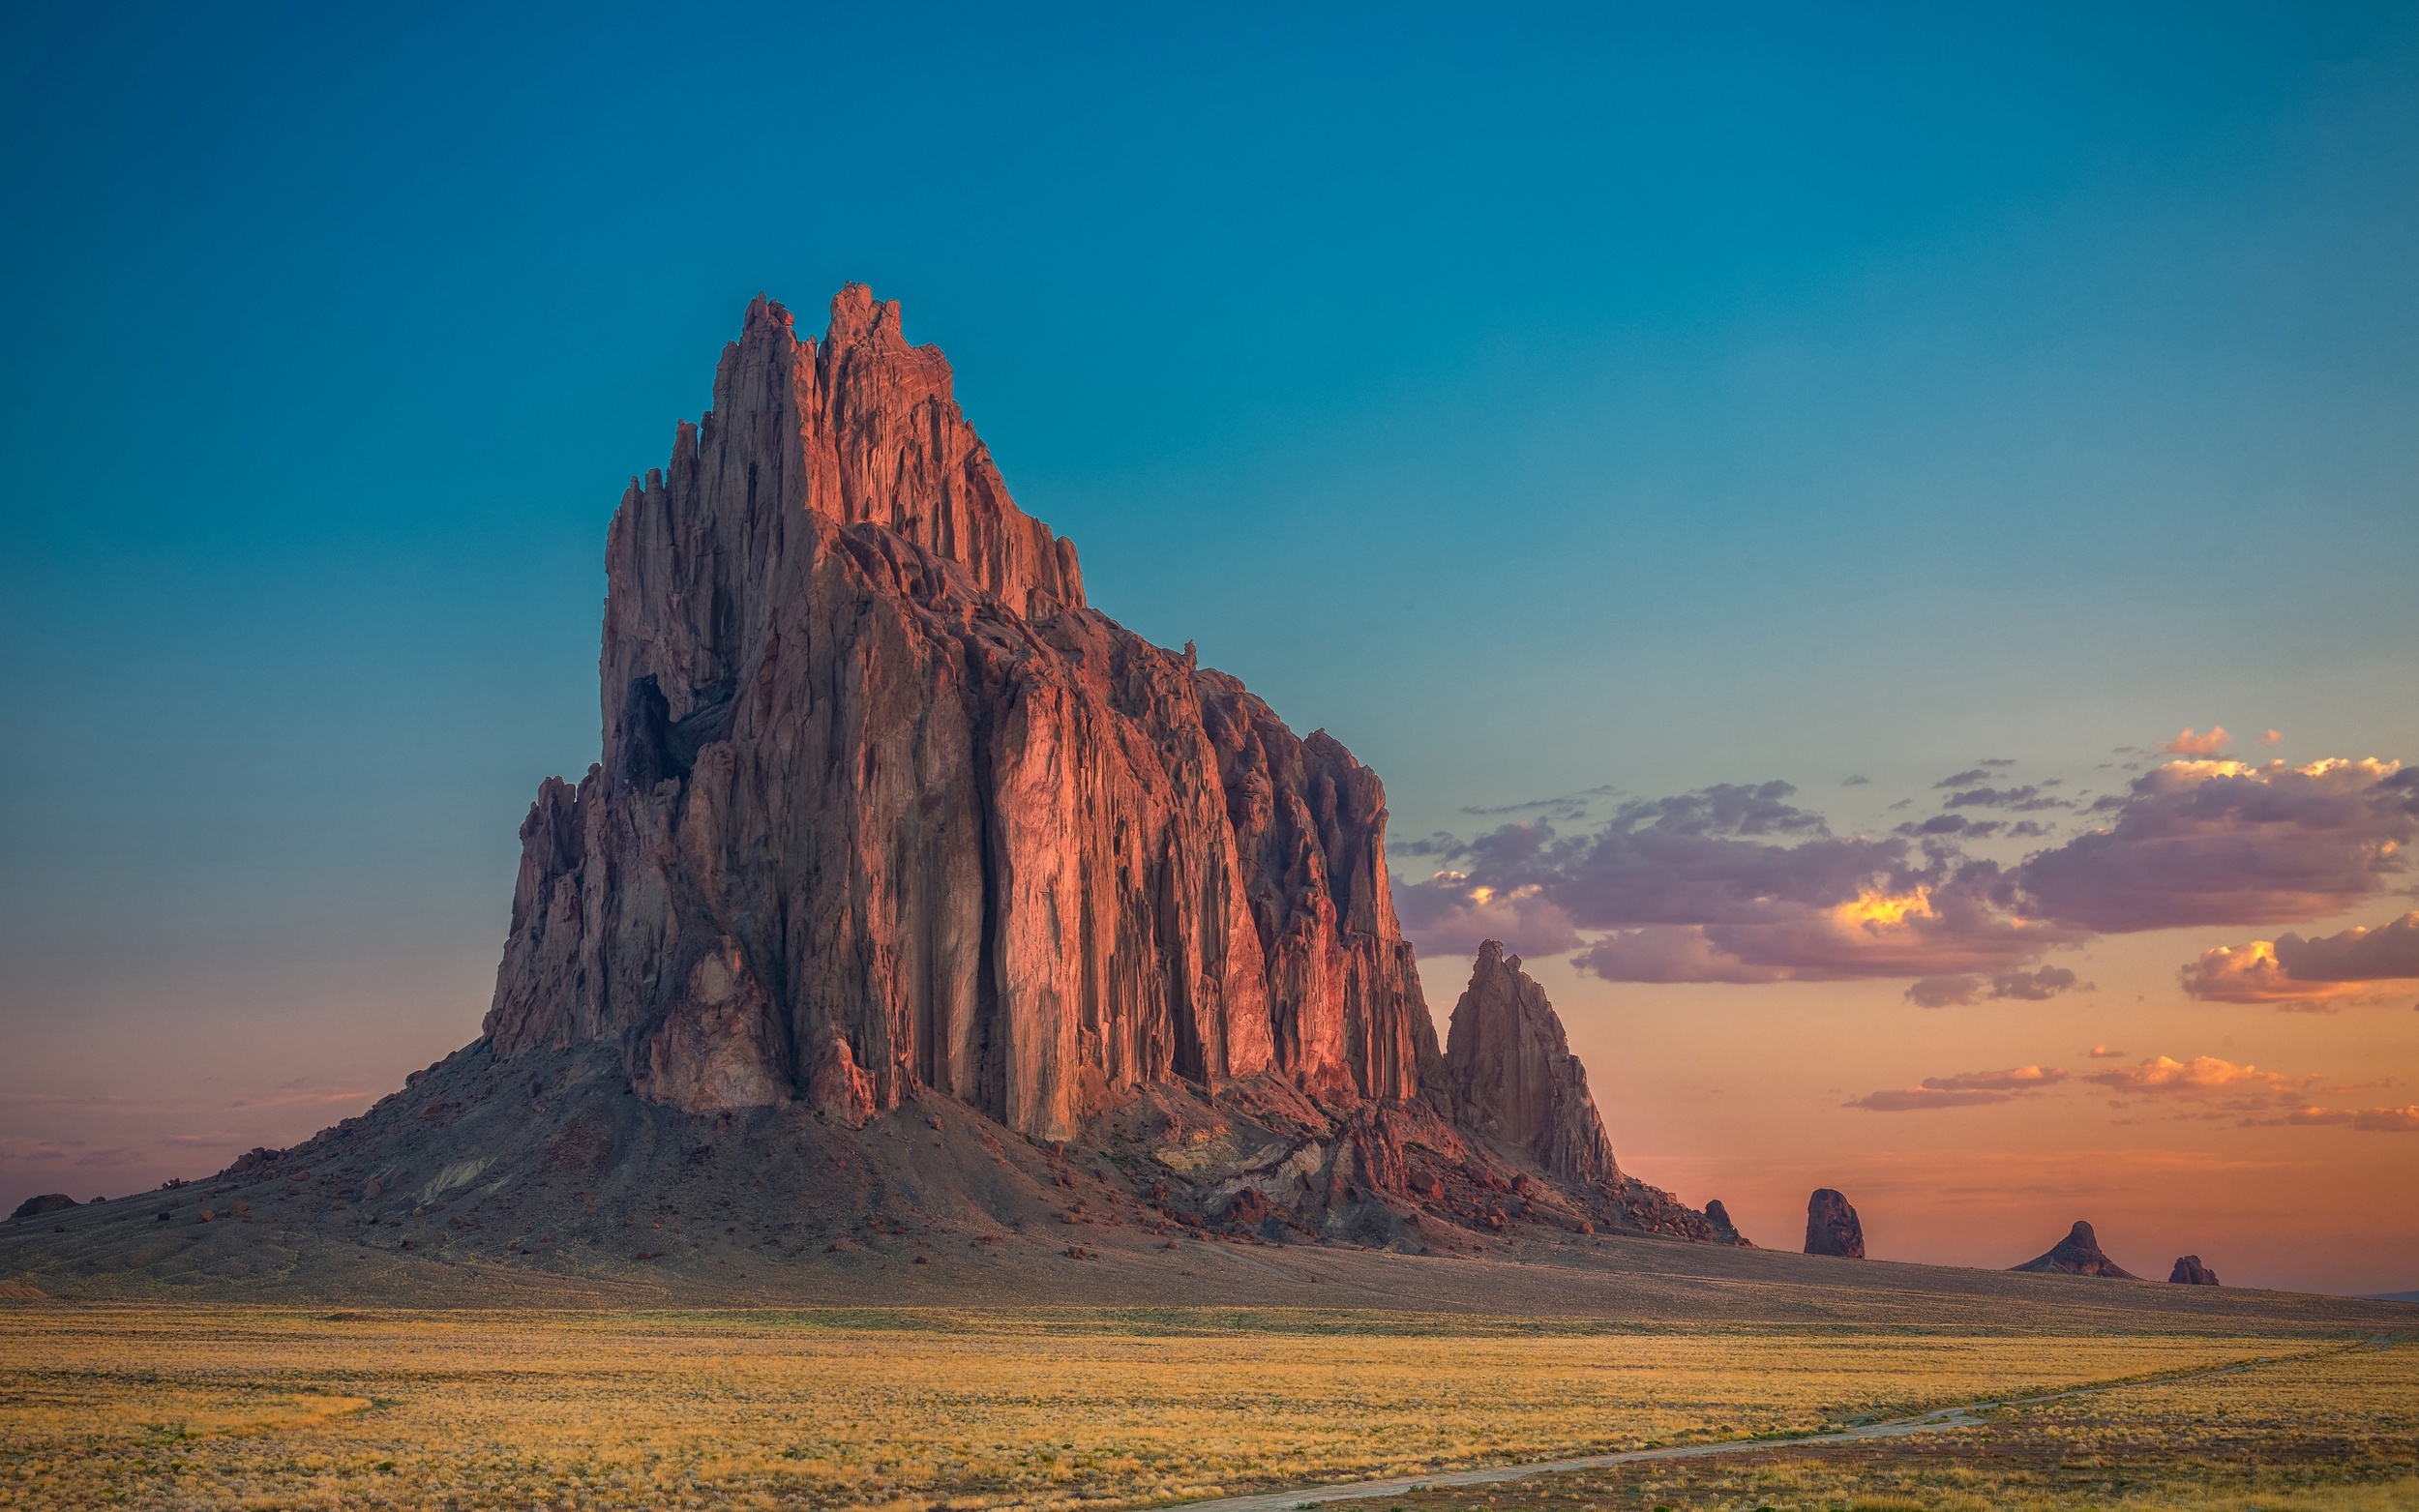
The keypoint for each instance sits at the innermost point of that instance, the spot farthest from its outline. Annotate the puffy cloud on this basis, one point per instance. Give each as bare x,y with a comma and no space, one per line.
2271,738
1737,883
2196,842
2105,1052
2188,744
2290,971
1965,1089
2369,1120
1942,991
1732,884
1448,915
2202,1076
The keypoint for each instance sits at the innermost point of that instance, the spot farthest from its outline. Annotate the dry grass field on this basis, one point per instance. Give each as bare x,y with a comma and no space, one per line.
128,1405
2333,1433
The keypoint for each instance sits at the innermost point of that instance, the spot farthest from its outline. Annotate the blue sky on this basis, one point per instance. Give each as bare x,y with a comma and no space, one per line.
1538,401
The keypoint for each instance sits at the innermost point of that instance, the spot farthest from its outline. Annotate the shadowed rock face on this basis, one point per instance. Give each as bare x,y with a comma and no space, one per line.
1512,1078
47,1202
885,807
2191,1272
2078,1255
1725,1231
1832,1227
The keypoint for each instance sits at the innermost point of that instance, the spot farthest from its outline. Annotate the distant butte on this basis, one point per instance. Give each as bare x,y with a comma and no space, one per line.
2078,1255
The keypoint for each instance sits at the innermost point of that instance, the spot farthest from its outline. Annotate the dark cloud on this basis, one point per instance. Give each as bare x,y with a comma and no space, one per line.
2353,966
1577,800
1963,779
2201,843
1733,884
1997,761
1855,782
1738,882
2022,800
1942,991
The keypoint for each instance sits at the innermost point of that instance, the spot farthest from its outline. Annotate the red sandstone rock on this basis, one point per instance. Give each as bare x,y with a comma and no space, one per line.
1511,1077
2078,1255
2191,1272
885,807
1832,1227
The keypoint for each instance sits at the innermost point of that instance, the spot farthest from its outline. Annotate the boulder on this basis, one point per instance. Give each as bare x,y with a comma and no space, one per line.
1832,1227
2078,1255
47,1202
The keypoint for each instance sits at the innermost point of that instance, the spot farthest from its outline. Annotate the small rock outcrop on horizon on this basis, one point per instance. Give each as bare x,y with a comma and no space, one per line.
47,1202
2078,1255
911,890
1725,1231
1832,1227
2191,1272
1512,1077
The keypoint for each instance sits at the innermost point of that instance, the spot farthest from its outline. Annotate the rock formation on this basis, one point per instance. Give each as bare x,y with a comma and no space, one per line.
2078,1255
885,807
1832,1227
1511,1076
47,1202
1725,1231
2191,1272
915,894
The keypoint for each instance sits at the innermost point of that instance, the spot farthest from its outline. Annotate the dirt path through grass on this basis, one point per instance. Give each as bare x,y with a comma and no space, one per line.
1935,1421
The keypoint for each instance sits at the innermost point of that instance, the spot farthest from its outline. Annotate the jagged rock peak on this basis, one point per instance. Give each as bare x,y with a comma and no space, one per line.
2191,1272
1832,1227
2077,1255
883,807
1512,1077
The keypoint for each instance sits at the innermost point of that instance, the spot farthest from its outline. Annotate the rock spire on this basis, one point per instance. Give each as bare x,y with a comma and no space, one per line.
1512,1077
1832,1227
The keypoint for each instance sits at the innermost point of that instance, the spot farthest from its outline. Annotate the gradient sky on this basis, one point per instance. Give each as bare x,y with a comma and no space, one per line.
1543,402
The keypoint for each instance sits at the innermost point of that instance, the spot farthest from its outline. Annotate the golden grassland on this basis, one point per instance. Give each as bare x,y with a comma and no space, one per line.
261,1407
2336,1432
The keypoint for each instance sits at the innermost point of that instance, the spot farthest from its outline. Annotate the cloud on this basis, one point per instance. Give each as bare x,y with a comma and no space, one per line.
2202,1076
2369,1120
1859,781
2188,744
1963,779
2201,842
2290,971
2025,799
1965,1089
2271,738
2016,1078
2104,1053
1737,883
1913,1098
1942,991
